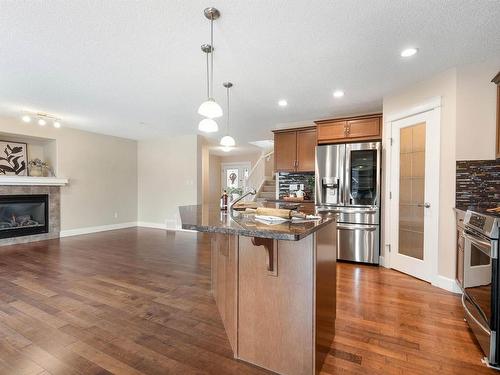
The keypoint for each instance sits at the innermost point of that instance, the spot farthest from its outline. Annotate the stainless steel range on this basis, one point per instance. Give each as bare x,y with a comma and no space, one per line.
480,281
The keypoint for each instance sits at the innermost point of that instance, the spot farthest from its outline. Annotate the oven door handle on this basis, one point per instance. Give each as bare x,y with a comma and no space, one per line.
472,316
480,243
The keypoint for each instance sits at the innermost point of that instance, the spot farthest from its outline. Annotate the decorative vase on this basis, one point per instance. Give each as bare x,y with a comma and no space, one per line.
36,172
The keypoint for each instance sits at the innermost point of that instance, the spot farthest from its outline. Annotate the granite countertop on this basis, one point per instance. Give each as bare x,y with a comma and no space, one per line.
209,218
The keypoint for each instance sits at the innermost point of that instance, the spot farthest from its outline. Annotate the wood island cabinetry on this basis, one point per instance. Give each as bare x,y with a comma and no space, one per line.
274,286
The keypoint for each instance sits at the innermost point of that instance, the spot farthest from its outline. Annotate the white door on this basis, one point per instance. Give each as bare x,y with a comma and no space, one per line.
415,194
233,177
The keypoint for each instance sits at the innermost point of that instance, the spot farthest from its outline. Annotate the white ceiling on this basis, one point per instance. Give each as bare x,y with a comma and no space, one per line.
107,66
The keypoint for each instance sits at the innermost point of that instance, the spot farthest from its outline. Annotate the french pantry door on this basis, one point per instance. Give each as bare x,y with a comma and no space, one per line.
414,194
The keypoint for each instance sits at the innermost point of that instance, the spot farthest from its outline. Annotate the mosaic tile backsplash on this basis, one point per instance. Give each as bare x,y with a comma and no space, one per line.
478,183
287,179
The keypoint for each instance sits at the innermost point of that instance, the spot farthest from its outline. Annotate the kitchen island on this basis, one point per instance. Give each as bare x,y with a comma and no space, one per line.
274,286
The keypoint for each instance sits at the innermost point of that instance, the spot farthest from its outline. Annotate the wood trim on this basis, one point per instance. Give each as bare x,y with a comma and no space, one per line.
294,129
350,140
326,121
496,79
272,253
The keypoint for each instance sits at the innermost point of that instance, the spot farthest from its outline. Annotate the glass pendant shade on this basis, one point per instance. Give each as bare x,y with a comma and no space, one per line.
208,125
210,109
227,141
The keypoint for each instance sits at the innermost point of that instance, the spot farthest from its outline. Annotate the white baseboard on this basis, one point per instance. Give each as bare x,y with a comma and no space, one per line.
447,284
145,224
382,261
100,228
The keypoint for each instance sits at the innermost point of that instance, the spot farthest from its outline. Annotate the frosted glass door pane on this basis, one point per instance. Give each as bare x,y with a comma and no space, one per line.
411,191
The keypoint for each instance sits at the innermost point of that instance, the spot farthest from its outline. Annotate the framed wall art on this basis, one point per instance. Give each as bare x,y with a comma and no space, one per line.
13,158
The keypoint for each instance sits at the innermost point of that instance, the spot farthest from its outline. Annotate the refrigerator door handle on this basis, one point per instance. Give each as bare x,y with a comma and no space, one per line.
357,226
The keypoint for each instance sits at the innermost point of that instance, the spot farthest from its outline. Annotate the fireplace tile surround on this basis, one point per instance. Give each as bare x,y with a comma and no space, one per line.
54,213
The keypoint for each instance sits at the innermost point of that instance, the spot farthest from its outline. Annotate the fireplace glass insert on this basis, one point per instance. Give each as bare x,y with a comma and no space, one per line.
23,215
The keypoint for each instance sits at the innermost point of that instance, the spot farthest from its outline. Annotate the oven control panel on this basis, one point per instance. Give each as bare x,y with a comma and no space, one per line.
486,225
477,220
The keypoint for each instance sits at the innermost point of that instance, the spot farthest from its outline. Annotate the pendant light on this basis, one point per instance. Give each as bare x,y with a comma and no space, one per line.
227,140
210,108
207,125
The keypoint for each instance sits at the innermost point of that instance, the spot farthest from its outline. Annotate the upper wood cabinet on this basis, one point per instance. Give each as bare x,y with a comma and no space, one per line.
496,80
334,131
295,150
306,150
363,128
285,151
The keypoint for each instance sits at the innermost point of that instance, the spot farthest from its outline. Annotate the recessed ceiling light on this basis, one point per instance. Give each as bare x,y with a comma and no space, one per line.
26,118
42,122
338,93
57,124
282,103
408,52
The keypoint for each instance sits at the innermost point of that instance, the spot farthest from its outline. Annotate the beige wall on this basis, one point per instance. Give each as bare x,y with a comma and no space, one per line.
243,158
168,174
476,110
102,172
214,179
442,85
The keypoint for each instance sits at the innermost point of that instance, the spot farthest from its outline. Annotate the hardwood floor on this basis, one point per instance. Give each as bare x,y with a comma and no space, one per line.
137,301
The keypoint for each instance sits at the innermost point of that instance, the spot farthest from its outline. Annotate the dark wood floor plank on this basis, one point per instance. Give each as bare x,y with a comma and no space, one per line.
137,301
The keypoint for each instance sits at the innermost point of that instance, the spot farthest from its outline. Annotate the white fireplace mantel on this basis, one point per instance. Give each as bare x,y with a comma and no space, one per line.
32,181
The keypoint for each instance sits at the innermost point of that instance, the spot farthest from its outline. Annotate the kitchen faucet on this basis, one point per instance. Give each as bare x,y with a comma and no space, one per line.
250,192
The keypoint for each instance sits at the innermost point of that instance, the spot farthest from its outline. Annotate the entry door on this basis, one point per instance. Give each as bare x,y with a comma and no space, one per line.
234,175
415,195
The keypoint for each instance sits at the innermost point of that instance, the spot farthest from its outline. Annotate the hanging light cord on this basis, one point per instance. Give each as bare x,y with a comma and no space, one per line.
227,116
211,57
208,79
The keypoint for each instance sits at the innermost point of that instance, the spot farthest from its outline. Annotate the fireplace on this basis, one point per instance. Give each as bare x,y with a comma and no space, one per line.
23,215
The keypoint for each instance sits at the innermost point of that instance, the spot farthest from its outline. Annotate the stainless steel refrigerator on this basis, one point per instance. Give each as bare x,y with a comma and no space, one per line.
348,184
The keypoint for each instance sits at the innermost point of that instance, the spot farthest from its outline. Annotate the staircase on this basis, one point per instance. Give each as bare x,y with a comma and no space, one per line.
268,190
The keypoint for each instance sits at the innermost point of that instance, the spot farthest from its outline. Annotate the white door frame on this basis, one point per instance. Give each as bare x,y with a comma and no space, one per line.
431,109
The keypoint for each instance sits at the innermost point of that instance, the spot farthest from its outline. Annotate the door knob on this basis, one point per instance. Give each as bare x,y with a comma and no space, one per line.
426,205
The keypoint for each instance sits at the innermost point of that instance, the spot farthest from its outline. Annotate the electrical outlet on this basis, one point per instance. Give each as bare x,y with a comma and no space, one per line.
301,186
115,215
293,187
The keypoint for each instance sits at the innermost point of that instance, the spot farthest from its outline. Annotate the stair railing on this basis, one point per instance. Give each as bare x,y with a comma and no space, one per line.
257,175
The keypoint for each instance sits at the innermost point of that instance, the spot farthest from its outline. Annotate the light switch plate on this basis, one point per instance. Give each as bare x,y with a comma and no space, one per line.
293,187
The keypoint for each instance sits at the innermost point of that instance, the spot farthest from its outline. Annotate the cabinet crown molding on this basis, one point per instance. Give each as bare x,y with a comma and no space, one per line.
325,121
